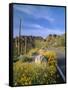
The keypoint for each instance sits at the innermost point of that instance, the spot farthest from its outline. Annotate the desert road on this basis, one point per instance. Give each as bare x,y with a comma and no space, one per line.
61,61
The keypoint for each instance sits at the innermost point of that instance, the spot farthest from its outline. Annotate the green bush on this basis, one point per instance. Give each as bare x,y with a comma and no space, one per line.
33,52
26,58
15,59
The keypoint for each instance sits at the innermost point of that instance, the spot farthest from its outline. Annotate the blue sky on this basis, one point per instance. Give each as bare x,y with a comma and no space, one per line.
38,20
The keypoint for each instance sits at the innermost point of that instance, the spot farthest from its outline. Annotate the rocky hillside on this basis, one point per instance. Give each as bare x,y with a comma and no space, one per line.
25,43
55,40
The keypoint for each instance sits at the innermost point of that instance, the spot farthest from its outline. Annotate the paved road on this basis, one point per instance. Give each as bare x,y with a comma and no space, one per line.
61,73
61,61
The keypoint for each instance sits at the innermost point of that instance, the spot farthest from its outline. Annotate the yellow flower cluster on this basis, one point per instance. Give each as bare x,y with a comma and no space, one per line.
33,51
32,73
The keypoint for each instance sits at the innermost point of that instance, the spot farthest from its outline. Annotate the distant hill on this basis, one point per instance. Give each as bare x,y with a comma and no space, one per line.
24,44
55,40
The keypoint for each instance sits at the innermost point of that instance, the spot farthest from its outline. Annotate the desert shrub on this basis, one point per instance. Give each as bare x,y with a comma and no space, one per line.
26,58
42,52
50,54
40,43
32,73
15,59
33,52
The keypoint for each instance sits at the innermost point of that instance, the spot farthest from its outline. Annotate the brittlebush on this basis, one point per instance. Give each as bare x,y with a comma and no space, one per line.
32,73
50,56
33,51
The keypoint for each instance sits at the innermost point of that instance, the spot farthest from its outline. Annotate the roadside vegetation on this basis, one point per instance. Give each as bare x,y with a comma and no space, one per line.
27,72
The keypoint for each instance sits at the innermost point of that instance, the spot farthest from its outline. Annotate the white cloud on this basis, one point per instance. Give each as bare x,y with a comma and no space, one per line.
37,29
37,26
44,32
41,29
55,31
36,12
